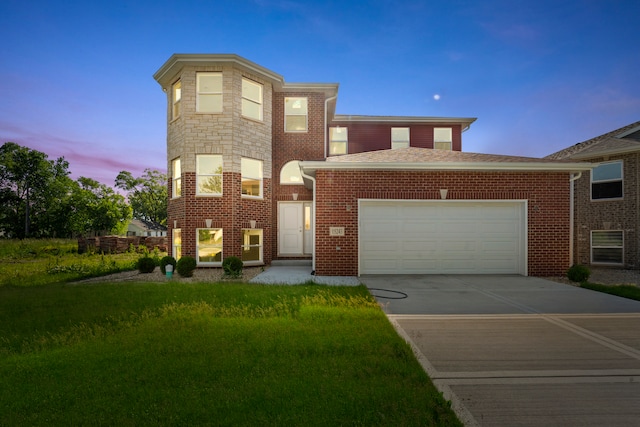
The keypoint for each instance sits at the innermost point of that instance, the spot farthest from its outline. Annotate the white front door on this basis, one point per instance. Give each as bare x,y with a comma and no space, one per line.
290,228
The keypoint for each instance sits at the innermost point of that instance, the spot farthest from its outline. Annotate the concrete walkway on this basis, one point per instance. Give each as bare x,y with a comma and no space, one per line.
520,351
292,273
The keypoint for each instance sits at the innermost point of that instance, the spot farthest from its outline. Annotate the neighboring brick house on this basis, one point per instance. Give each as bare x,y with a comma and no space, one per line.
263,169
606,201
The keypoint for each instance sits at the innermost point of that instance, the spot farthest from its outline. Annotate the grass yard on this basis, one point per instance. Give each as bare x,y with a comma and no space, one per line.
132,354
625,291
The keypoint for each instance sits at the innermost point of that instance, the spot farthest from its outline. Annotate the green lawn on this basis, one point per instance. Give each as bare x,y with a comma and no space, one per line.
132,354
625,291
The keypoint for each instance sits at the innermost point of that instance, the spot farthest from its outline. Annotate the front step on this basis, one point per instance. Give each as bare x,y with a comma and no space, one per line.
291,263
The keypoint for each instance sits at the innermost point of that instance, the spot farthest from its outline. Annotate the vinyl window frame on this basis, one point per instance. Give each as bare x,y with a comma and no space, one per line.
290,113
248,100
607,182
338,137
176,99
200,246
176,178
201,93
399,140
439,140
247,246
609,247
201,176
245,163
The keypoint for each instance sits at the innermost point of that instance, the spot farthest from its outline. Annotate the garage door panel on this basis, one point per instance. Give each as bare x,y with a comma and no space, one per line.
442,238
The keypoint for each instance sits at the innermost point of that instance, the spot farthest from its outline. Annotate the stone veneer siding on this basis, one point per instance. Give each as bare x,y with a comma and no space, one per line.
337,194
621,214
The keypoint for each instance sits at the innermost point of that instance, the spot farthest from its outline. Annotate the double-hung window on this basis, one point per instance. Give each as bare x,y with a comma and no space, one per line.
176,95
338,141
176,178
209,92
295,114
176,243
209,174
442,139
399,138
251,99
251,245
606,181
209,245
607,247
251,177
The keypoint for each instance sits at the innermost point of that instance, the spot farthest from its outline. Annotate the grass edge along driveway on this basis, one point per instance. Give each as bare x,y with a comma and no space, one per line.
207,354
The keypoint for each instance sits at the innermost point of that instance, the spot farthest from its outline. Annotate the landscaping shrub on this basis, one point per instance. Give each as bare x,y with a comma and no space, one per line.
232,266
166,261
146,265
578,273
185,266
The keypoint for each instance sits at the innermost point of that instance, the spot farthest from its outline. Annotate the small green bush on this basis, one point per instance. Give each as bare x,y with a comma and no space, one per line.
146,264
166,261
185,266
232,266
578,273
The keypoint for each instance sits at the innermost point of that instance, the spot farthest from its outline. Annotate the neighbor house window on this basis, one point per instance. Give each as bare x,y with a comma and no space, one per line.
209,245
176,91
251,245
399,138
442,138
606,181
209,174
209,92
251,99
176,178
176,243
338,141
295,114
251,177
607,247
290,173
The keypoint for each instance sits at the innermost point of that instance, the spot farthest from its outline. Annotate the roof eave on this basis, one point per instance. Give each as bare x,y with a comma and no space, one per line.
605,153
404,119
309,167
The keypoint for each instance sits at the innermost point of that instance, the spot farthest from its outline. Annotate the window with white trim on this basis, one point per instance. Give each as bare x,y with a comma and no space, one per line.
251,99
251,250
176,97
209,92
209,174
209,246
251,177
607,247
399,138
176,178
176,243
295,114
606,181
338,141
442,138
290,173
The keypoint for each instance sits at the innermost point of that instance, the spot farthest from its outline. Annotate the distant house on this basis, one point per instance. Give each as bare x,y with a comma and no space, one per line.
606,230
265,170
138,227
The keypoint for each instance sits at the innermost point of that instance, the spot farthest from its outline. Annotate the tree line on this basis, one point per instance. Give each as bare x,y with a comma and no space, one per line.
39,199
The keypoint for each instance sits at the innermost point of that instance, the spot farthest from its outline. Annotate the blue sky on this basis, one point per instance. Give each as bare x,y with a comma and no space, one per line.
76,76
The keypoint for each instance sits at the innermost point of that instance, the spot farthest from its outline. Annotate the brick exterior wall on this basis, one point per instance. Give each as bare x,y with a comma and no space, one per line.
337,195
609,214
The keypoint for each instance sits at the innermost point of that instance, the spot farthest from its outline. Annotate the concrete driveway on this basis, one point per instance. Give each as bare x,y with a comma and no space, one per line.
520,351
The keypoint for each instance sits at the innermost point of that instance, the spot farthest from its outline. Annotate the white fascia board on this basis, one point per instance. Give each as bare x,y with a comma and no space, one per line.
329,89
613,152
310,167
404,119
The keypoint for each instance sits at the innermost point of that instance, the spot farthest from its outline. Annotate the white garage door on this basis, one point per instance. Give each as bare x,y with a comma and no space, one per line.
442,237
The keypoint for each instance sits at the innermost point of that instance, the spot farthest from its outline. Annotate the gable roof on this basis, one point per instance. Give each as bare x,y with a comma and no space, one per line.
414,158
620,141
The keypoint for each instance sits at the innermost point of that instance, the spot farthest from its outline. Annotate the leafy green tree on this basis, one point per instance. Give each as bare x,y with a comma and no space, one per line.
146,194
96,208
29,183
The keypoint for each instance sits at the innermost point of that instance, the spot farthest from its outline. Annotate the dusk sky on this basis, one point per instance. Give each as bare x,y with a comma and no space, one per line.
76,76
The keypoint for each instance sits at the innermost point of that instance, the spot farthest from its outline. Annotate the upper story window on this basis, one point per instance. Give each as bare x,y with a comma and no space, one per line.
251,99
295,114
209,92
399,138
290,173
606,181
338,141
251,177
176,97
442,138
176,178
209,174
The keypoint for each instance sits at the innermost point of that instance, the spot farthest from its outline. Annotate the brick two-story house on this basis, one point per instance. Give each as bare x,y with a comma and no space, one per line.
264,169
606,228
